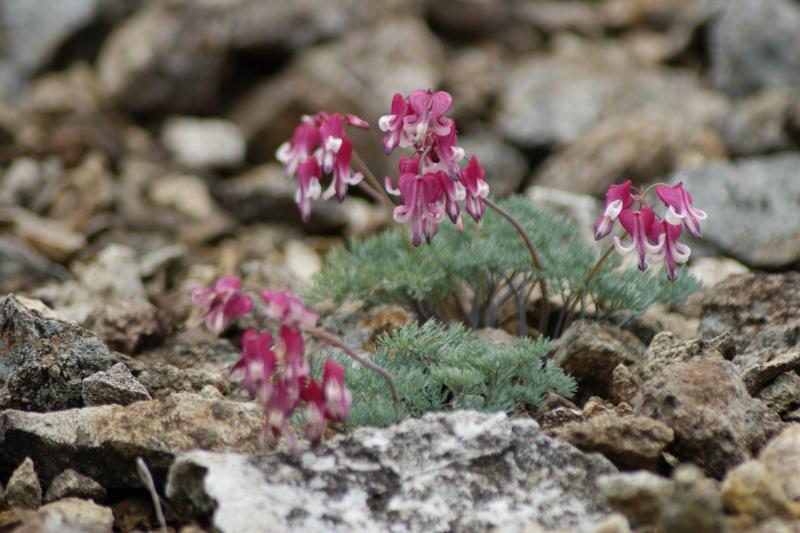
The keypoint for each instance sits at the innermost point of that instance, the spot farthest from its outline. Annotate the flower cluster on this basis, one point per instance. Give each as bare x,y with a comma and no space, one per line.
274,369
651,238
320,146
431,182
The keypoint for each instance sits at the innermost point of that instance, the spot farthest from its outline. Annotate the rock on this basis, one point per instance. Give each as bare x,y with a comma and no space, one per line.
68,515
588,351
629,442
35,30
43,360
186,194
182,47
624,384
23,267
580,208
750,490
613,523
114,386
757,375
71,484
694,504
716,423
301,260
134,514
711,270
459,471
762,123
640,496
506,168
641,147
130,327
50,237
203,142
761,312
102,442
555,100
23,489
751,206
471,77
783,394
781,456
666,348
755,44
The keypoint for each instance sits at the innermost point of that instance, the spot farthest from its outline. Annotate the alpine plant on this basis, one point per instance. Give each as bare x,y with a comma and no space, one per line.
654,240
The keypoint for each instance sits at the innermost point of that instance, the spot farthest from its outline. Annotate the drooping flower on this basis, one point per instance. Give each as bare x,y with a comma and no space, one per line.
670,250
446,155
637,224
337,397
257,361
476,187
291,355
421,195
392,124
320,146
427,115
222,302
618,198
680,209
314,397
288,309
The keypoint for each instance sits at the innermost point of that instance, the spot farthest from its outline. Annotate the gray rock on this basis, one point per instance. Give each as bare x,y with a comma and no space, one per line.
113,386
783,393
44,360
666,348
751,206
506,168
761,123
781,456
71,484
204,142
21,266
459,471
716,423
580,208
695,504
761,312
750,490
553,101
588,351
33,30
640,496
755,44
70,515
23,489
641,147
102,442
629,442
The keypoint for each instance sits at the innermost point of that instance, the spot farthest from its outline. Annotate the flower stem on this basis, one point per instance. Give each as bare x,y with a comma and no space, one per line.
650,188
333,340
373,181
534,259
370,190
589,277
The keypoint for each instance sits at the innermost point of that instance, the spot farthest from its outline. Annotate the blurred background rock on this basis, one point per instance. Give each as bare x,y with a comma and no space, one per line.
152,124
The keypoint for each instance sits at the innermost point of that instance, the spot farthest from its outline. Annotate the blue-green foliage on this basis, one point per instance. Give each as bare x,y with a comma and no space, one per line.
433,278
447,367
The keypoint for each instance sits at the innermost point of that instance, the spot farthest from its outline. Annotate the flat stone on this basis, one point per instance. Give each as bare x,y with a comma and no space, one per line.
640,496
71,484
204,143
782,394
103,442
459,471
114,386
67,515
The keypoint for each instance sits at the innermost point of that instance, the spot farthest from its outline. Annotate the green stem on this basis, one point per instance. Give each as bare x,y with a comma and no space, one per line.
589,277
534,259
373,181
333,340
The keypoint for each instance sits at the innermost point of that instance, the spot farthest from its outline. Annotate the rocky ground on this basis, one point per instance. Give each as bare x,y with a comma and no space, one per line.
137,144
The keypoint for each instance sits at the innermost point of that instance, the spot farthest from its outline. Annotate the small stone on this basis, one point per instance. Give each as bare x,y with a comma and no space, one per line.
581,209
589,351
302,260
783,394
694,505
640,496
69,484
629,442
114,386
204,142
75,514
756,376
23,489
751,490
782,457
613,523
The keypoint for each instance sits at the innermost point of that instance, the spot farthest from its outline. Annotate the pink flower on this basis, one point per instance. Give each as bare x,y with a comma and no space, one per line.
428,109
637,224
337,397
308,187
314,398
447,155
680,209
291,355
452,192
477,188
278,407
421,196
671,251
257,361
618,198
392,124
288,309
320,145
222,302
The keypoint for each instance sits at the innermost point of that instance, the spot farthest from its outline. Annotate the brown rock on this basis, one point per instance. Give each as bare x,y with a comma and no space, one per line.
71,484
641,496
114,386
23,489
624,384
694,504
781,456
750,489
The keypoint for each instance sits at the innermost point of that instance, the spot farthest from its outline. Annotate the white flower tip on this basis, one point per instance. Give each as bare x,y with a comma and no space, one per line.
384,123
